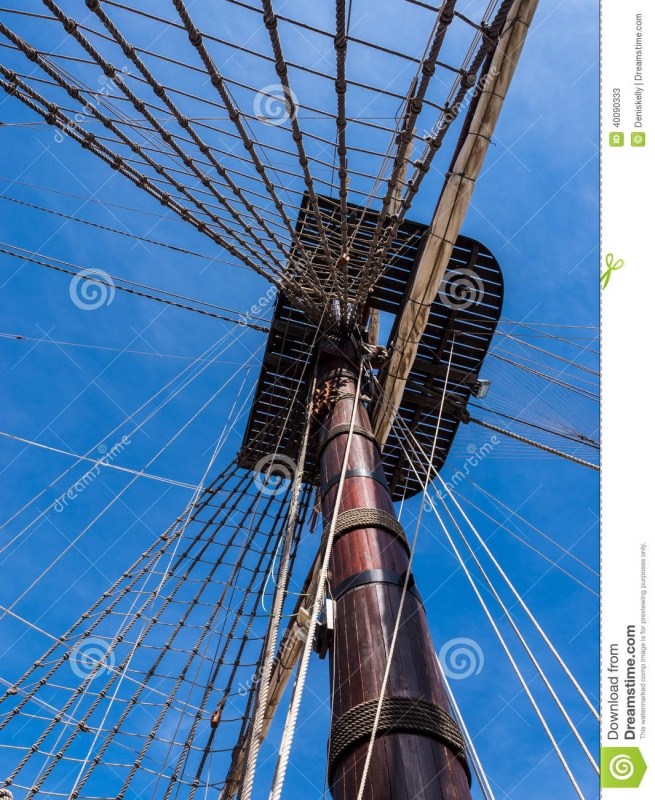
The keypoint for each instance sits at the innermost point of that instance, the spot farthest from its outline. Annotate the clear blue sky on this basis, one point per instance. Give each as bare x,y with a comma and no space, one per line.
535,207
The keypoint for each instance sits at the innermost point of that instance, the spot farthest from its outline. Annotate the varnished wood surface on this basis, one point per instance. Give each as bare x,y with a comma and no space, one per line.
403,766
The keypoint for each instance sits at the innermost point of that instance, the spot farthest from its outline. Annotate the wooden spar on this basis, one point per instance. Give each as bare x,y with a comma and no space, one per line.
410,757
449,214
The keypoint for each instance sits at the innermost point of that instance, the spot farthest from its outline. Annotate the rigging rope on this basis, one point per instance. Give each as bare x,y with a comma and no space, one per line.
112,283
252,749
513,663
299,685
73,542
166,136
520,637
127,234
580,439
539,445
480,773
394,638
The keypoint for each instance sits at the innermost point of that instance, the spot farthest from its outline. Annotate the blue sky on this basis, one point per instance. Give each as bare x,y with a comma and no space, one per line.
535,207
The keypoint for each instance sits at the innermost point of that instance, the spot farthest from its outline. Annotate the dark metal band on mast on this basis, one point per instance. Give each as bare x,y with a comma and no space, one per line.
419,750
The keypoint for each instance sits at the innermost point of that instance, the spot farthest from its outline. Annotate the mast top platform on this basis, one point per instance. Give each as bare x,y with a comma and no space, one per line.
463,318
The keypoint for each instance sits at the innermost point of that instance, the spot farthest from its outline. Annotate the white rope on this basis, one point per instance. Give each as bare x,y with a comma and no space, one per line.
292,716
276,614
507,653
481,775
526,647
520,600
392,648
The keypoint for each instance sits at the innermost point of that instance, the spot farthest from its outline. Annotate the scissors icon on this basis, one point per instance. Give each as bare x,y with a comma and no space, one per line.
612,266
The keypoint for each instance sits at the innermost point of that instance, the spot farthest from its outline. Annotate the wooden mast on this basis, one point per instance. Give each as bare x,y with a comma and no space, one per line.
419,751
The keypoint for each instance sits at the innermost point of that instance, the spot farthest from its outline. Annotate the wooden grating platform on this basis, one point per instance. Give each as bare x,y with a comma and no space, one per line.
463,318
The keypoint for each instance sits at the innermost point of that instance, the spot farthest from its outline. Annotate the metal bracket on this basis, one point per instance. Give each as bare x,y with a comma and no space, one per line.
325,628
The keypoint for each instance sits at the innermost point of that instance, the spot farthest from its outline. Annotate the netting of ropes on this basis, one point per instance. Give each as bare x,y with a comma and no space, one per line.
233,159
152,691
177,640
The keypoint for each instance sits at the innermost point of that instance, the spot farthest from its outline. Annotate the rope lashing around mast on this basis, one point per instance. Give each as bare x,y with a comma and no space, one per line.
398,715
339,430
544,447
357,518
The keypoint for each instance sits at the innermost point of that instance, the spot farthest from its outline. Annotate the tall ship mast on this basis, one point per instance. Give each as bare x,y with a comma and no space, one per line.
298,620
